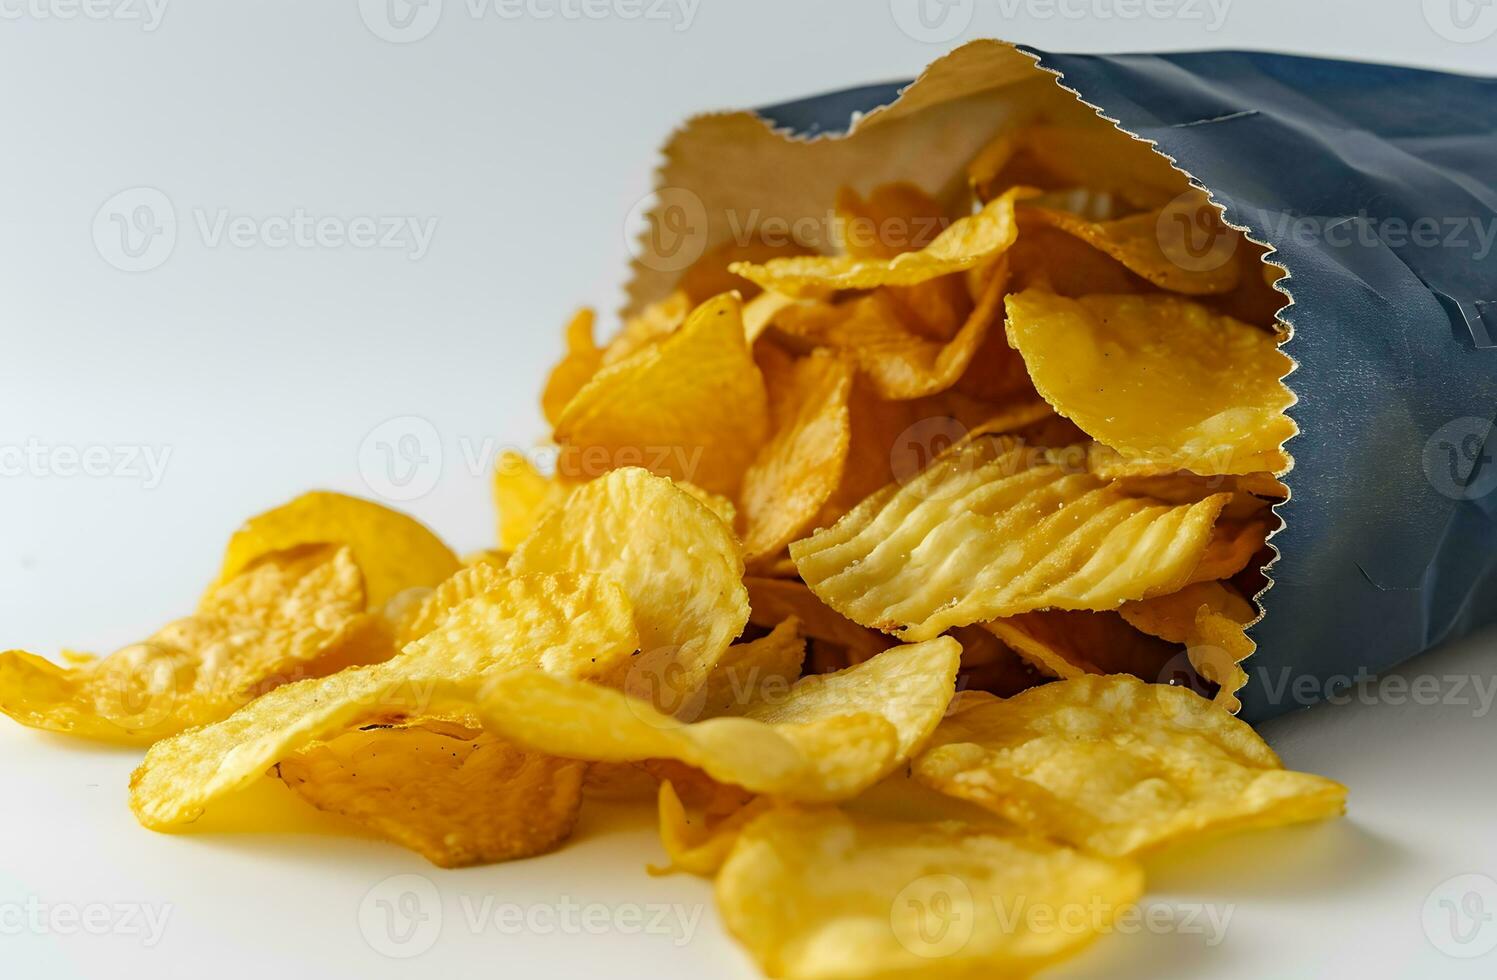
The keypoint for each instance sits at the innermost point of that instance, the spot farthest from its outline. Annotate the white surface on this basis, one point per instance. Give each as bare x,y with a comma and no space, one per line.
261,371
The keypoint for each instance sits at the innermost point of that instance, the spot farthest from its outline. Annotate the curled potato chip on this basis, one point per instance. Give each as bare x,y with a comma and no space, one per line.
692,406
819,893
1060,156
1233,545
435,607
1069,643
678,563
991,530
581,361
1051,260
773,600
800,466
827,737
658,320
756,671
572,624
1208,617
395,552
963,244
1118,766
699,847
1159,378
292,614
522,496
1147,244
457,797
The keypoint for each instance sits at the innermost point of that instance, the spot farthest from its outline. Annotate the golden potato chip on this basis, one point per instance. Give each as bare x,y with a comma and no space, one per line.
1233,545
801,465
395,552
454,796
692,406
1119,766
581,361
291,614
1139,244
710,275
659,319
699,846
1050,260
773,600
573,624
756,671
434,608
963,244
827,737
1159,378
819,893
522,496
1208,617
1069,643
678,563
991,530
1059,157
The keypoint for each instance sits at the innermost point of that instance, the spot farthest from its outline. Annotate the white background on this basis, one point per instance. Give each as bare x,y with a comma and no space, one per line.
260,371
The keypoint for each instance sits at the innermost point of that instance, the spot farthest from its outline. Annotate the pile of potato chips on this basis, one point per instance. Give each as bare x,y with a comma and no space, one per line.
977,505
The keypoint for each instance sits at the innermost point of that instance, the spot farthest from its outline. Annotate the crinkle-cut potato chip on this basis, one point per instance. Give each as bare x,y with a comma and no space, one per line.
1069,643
827,737
659,319
434,608
1159,378
699,846
291,614
1138,243
820,894
395,552
1208,617
899,362
1096,156
455,797
1233,545
522,496
800,466
991,530
1118,766
773,600
756,671
581,361
692,406
577,625
963,244
676,560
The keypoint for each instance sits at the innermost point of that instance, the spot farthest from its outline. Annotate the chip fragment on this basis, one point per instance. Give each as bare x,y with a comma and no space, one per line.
522,496
991,530
576,368
691,406
1069,643
819,893
292,614
1159,378
1118,766
1209,618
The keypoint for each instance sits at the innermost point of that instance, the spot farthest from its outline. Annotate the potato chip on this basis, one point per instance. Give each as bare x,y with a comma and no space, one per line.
827,737
454,796
962,245
1050,260
435,607
991,530
756,671
1119,766
699,846
692,406
989,664
1139,244
710,275
395,552
772,600
678,563
1058,157
1208,617
522,496
1159,378
291,614
801,465
579,625
819,893
650,325
1233,545
1069,643
581,361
